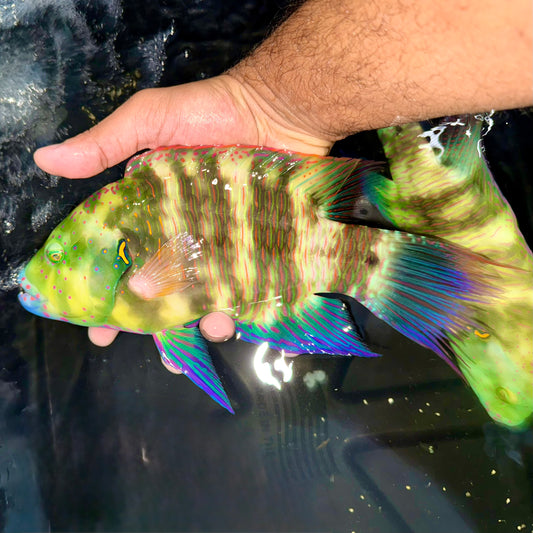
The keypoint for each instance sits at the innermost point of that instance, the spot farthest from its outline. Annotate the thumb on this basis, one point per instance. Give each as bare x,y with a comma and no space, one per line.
106,144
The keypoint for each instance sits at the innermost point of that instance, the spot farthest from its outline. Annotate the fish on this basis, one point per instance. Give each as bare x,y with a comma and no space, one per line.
267,237
442,186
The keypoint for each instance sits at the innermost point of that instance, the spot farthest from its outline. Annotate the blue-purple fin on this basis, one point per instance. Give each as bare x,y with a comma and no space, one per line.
186,350
429,290
322,326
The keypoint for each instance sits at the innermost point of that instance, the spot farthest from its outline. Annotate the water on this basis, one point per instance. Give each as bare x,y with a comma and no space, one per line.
107,440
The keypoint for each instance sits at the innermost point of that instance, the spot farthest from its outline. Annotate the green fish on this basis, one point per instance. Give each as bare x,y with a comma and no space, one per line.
261,235
443,187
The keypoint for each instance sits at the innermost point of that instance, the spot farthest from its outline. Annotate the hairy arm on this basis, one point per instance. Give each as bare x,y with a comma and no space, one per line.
364,64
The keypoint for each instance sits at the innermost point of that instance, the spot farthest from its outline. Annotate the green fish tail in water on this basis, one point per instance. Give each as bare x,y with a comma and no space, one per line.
443,187
257,234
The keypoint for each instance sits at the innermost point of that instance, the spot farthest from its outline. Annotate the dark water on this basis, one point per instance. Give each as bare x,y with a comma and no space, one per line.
107,440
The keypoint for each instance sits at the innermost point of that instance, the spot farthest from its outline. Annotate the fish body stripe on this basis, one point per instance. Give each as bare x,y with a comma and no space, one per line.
262,241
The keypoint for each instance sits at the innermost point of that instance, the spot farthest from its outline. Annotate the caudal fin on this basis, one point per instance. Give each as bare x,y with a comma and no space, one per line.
427,289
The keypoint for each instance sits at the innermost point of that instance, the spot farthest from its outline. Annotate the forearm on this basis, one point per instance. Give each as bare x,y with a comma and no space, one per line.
367,64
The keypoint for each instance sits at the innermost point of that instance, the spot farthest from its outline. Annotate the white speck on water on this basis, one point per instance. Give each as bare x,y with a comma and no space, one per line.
144,456
390,400
362,496
468,494
508,501
41,215
351,509
408,487
312,379
443,489
8,227
365,401
492,472
437,414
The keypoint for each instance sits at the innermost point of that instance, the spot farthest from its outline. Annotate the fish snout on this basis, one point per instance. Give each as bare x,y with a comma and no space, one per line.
29,298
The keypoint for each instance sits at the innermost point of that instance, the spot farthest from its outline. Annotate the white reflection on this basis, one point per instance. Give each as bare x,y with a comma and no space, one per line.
281,366
264,369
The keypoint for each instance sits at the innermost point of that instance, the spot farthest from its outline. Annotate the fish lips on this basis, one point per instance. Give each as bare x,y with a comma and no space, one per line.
29,298
32,300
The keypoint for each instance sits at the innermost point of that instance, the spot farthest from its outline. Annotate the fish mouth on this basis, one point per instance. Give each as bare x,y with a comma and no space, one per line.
30,298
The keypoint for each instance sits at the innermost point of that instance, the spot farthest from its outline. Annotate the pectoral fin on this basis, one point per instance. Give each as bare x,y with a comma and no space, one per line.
322,325
171,269
186,350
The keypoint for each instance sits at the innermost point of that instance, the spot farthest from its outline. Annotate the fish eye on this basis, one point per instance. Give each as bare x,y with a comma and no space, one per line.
506,395
54,252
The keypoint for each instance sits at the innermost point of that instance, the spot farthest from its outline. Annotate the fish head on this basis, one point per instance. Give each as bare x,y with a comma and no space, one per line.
73,277
501,376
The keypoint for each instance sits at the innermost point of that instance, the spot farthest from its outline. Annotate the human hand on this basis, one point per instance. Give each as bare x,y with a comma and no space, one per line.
218,111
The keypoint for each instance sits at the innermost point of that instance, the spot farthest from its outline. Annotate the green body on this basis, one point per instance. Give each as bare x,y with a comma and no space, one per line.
444,188
251,222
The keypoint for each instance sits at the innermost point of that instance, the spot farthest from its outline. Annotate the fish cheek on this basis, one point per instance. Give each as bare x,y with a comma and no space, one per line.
103,280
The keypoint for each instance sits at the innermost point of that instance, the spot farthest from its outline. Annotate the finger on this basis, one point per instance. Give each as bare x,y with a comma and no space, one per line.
102,336
116,138
217,327
171,368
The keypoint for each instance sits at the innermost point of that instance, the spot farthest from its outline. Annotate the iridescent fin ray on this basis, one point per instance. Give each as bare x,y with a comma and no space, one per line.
323,325
335,185
430,289
186,350
171,269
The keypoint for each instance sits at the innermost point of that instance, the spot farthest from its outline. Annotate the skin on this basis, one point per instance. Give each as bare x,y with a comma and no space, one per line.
322,75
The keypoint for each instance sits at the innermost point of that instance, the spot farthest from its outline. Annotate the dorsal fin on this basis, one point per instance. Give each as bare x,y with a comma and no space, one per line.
338,185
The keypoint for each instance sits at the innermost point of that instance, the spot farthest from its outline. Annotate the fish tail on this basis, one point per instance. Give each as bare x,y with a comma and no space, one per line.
427,289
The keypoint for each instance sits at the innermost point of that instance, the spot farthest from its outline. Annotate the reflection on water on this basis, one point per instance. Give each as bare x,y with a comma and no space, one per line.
95,439
264,369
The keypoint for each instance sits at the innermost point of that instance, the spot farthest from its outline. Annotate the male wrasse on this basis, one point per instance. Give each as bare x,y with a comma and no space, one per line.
257,234
443,187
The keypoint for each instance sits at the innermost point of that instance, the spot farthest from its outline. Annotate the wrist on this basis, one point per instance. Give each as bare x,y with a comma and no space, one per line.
278,124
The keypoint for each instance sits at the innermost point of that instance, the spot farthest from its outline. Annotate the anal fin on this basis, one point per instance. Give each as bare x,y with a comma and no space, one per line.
321,326
186,350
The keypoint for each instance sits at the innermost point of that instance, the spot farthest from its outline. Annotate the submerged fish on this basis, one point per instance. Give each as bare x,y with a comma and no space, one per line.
442,187
254,233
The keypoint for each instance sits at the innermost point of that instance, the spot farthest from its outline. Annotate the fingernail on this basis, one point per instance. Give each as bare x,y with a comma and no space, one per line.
217,327
50,148
46,151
